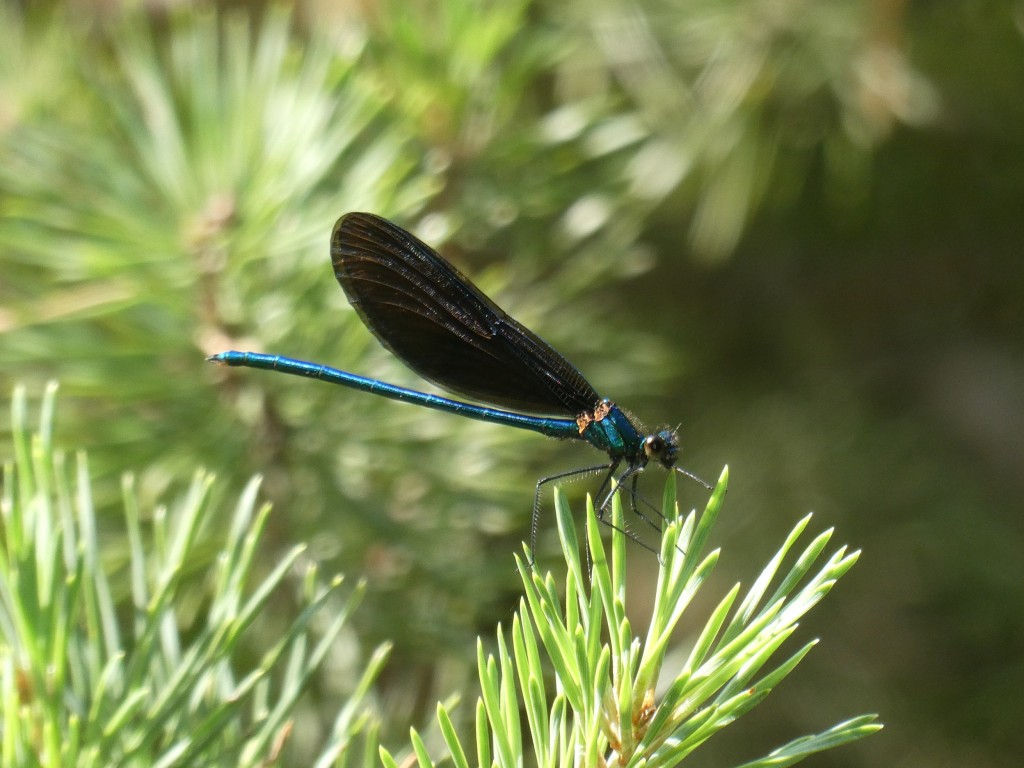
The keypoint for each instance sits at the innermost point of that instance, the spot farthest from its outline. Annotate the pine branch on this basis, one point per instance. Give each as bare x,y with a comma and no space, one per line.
614,701
106,659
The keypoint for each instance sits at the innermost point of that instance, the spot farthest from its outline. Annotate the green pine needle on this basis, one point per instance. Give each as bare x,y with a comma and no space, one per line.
614,700
101,659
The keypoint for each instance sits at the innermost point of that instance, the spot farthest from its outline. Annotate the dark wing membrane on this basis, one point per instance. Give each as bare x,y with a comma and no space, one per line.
444,328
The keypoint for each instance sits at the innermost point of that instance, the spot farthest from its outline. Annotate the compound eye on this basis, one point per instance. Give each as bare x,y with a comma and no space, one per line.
654,446
663,446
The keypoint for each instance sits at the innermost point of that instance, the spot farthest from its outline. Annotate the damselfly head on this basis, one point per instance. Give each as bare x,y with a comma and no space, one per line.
663,447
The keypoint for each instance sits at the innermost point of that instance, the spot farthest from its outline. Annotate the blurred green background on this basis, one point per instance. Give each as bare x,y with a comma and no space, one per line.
795,226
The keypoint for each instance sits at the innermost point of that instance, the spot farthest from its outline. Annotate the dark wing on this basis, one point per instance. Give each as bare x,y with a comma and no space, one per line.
444,328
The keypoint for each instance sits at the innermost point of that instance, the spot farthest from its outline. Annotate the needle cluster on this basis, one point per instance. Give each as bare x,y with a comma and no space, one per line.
595,692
